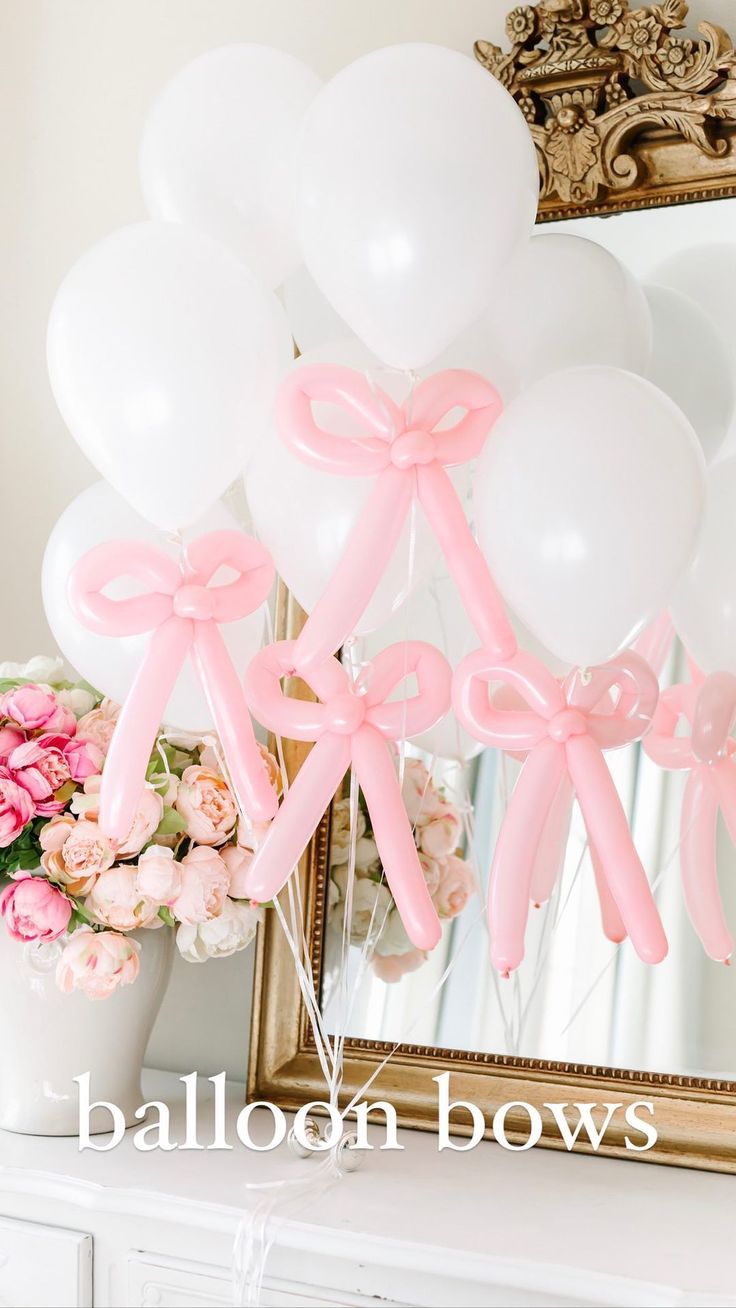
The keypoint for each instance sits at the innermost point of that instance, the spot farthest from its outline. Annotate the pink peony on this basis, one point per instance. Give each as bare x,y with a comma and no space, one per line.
159,876
10,738
441,835
237,860
116,901
78,860
84,758
204,887
41,767
34,910
98,725
31,706
206,805
457,885
16,808
392,967
97,962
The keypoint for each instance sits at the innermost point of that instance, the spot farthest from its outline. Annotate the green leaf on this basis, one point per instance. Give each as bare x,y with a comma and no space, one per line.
171,823
65,792
166,915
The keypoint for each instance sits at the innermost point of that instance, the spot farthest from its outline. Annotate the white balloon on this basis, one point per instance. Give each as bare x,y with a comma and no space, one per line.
312,319
691,364
417,180
164,354
704,602
304,515
110,663
219,152
433,613
588,501
564,302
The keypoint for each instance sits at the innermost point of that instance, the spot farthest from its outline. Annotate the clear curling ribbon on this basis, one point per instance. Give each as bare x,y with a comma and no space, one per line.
408,457
183,612
564,733
708,707
358,729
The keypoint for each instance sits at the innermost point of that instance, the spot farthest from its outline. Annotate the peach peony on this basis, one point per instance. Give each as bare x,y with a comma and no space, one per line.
206,805
116,901
205,881
97,962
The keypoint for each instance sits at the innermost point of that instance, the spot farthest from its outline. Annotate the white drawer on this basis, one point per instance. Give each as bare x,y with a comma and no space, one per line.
155,1281
42,1265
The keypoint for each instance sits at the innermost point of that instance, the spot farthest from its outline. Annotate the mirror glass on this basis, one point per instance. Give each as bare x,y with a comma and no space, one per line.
577,997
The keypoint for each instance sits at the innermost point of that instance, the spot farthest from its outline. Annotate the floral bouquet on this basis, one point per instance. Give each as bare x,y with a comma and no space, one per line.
182,864
450,879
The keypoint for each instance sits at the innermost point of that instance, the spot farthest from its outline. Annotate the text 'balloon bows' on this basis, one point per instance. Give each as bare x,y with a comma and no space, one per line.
182,612
709,708
409,458
350,728
563,735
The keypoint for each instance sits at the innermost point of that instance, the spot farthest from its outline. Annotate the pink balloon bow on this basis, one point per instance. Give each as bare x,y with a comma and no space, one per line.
350,728
183,612
565,737
409,458
709,708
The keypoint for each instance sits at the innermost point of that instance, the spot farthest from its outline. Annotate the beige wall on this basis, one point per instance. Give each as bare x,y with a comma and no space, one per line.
76,80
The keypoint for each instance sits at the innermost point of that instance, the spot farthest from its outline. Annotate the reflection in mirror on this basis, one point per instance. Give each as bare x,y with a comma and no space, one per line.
578,997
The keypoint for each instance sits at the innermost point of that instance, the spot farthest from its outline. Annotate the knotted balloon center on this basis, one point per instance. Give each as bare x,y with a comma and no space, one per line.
345,714
412,448
196,602
568,722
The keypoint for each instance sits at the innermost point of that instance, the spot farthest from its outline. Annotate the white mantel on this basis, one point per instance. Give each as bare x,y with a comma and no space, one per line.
418,1227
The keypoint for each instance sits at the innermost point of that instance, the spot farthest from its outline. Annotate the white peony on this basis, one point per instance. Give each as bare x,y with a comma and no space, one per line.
393,939
41,669
371,902
218,937
77,699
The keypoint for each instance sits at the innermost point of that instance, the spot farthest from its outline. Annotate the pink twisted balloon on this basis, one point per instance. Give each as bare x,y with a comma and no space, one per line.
350,728
564,736
183,613
408,458
709,708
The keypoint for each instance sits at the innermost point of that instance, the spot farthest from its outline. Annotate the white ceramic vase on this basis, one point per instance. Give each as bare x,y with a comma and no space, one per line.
48,1037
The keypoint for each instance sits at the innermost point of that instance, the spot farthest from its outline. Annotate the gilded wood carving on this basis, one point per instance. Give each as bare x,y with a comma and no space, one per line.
619,103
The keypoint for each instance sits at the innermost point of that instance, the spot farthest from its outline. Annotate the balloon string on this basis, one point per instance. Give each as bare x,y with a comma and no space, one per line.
614,956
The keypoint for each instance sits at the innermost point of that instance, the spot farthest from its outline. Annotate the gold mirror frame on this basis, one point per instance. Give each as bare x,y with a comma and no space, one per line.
645,126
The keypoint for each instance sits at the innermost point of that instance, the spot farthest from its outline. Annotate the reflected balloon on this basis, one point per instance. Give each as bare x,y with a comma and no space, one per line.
565,302
587,503
98,515
219,152
706,274
691,364
164,354
418,179
704,603
434,614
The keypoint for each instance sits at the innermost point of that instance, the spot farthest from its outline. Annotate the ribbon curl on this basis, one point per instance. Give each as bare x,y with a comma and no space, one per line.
564,738
182,612
350,728
708,706
409,458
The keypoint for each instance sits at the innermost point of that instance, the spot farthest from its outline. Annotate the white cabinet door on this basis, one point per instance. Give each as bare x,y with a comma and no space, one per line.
42,1265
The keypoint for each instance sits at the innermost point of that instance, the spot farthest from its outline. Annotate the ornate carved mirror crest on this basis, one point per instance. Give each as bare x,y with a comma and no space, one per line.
624,111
